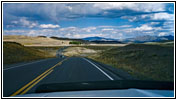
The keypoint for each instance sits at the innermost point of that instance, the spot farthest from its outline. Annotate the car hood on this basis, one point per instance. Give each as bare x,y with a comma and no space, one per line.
106,93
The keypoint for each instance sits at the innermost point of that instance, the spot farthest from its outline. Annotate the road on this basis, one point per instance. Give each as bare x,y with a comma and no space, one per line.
59,52
22,79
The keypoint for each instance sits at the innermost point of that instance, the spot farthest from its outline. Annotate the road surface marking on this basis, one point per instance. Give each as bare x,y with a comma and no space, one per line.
99,69
40,77
21,89
36,82
25,64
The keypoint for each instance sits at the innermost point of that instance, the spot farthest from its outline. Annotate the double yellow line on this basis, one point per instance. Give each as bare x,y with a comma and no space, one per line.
31,84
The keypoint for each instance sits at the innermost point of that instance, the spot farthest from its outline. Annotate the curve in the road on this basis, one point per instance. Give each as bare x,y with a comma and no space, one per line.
26,79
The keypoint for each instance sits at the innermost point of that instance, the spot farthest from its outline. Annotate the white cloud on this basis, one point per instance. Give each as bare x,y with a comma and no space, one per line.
89,29
130,18
107,29
162,34
14,31
154,23
59,11
68,29
87,35
144,27
49,26
33,25
154,16
32,32
23,22
147,7
8,26
162,16
114,32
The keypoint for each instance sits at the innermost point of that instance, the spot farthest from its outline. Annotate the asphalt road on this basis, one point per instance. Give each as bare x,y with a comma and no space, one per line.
59,53
22,79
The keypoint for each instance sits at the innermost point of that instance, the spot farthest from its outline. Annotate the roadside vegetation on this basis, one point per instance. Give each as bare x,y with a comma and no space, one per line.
75,42
144,61
147,61
85,51
14,52
47,50
102,48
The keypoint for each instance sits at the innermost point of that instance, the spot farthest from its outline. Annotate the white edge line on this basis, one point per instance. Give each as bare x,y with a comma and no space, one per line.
25,64
99,69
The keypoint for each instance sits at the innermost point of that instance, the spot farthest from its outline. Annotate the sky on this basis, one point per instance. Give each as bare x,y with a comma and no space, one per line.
116,20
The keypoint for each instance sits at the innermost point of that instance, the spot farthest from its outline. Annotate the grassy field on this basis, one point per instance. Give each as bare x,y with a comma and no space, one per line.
35,41
85,51
144,61
47,50
48,42
148,61
14,52
102,48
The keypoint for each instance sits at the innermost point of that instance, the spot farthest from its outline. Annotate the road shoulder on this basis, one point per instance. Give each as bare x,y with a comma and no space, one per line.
119,72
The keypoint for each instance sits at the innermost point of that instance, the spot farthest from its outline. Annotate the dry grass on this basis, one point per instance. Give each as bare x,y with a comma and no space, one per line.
147,62
44,41
14,52
35,41
47,50
78,51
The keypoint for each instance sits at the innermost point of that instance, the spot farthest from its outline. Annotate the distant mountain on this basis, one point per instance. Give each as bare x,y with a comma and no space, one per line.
101,40
148,38
98,39
169,37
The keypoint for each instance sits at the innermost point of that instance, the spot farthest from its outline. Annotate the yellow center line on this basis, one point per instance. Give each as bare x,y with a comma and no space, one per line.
40,77
21,89
36,82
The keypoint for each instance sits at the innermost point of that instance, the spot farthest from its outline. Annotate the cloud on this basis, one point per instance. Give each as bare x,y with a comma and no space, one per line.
143,28
145,7
87,35
15,32
107,29
67,29
162,16
154,23
89,29
131,19
62,11
150,17
23,22
49,26
162,34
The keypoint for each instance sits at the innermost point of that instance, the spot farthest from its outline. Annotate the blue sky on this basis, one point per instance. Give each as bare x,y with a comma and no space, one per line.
79,20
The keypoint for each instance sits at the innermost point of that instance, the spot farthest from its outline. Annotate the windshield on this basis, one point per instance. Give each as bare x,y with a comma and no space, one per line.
70,46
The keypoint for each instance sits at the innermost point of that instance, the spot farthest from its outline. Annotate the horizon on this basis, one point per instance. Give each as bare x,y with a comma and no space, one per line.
80,20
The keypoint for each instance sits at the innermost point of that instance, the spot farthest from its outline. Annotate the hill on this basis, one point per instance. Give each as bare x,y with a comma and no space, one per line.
43,41
101,40
35,41
144,61
148,38
14,52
